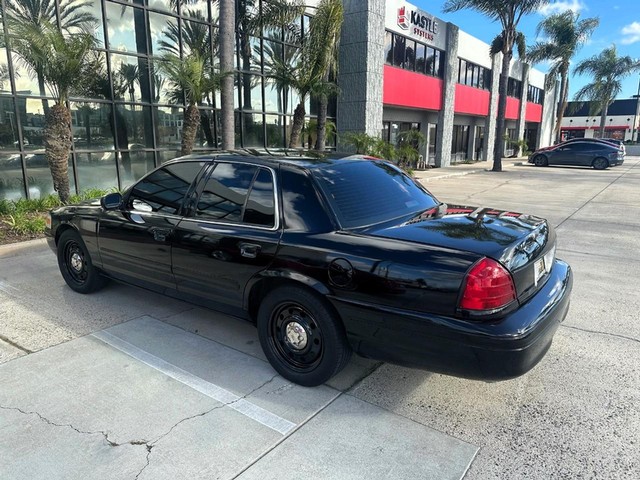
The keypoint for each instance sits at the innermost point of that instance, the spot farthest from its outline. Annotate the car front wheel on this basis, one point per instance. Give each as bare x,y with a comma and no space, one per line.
600,163
75,264
301,335
540,161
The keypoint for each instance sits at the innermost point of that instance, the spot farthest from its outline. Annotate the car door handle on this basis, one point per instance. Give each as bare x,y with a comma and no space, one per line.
249,250
160,234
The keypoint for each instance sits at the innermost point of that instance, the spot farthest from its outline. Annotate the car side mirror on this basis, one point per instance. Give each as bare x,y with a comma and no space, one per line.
111,201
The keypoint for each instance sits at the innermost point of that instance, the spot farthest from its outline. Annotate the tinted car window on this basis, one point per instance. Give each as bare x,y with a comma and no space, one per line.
301,207
260,208
363,192
225,192
164,189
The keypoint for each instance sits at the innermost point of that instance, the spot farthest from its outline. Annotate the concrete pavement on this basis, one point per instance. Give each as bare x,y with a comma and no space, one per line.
128,384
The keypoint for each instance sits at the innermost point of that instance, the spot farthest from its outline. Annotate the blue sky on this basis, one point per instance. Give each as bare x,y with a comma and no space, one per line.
619,24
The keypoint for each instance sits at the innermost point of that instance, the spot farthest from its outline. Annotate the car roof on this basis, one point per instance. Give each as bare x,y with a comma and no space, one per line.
273,158
590,143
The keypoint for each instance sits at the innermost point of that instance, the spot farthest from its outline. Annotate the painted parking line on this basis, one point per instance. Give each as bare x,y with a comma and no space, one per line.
8,289
209,389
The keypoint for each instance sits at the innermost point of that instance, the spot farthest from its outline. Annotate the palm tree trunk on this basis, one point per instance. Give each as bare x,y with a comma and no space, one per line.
321,127
564,91
57,143
498,151
189,128
227,40
603,120
298,123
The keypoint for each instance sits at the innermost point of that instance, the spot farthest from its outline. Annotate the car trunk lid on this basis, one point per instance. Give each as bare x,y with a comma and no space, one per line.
520,242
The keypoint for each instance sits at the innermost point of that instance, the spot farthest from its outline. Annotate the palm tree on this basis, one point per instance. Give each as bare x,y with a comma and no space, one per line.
74,16
328,23
508,13
565,34
62,60
192,76
607,70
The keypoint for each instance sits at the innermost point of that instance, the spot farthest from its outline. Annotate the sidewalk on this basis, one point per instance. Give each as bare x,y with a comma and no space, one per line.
463,169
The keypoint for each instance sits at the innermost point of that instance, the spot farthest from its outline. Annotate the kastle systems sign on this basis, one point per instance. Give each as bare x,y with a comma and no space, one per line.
408,20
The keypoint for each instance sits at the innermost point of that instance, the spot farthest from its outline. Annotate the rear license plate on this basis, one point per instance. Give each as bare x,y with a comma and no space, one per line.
544,264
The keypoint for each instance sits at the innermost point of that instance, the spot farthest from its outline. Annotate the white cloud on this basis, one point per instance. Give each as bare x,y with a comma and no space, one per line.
631,33
561,6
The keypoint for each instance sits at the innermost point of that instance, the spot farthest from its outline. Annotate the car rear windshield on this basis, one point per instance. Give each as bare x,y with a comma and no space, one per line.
364,193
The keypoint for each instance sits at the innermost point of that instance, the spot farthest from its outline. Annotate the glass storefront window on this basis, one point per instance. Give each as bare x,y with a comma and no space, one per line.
200,6
252,130
127,72
133,124
168,121
398,51
420,61
126,28
133,165
91,9
166,155
388,44
161,91
26,83
11,180
196,35
205,136
275,131
91,124
39,175
164,33
8,124
32,121
96,170
165,5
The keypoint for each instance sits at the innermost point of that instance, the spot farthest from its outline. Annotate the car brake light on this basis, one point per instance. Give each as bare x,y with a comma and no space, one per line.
487,286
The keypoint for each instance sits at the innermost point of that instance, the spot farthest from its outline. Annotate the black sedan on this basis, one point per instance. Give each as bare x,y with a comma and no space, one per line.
329,256
597,154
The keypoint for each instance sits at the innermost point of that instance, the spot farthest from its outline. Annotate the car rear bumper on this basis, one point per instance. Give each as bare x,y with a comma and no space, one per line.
487,351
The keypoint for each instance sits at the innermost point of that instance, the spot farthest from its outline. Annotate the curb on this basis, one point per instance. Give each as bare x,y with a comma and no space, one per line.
452,174
21,248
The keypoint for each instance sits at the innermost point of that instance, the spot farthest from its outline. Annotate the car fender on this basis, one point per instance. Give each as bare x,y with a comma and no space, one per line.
281,275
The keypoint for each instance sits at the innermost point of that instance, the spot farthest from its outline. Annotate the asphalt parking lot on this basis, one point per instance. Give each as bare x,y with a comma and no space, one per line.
126,384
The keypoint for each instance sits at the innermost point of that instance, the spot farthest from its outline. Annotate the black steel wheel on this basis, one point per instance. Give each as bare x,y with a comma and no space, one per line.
302,336
75,264
600,163
540,161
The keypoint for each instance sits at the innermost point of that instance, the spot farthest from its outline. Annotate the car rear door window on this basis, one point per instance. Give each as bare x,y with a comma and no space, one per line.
225,192
260,208
164,190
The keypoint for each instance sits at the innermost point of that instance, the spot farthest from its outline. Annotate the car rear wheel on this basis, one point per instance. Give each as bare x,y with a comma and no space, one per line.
301,335
600,163
76,266
540,161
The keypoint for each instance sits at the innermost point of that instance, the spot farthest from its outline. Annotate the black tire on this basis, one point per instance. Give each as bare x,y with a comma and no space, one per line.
600,163
322,349
540,161
75,264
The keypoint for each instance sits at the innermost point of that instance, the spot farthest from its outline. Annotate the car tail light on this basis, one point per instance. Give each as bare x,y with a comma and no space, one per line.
487,286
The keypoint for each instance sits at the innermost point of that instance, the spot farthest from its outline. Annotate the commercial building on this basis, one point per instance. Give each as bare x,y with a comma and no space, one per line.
623,117
403,68
400,68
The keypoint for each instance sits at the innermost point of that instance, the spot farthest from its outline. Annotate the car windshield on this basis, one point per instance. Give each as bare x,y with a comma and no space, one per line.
363,193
